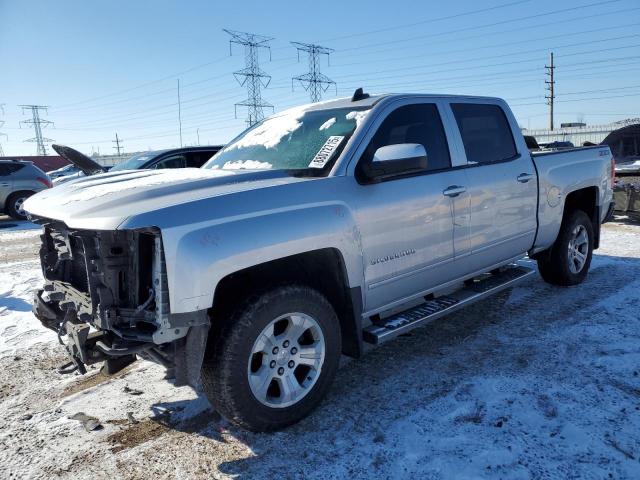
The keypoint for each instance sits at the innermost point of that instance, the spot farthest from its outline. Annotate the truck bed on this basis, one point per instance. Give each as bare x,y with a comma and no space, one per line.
565,171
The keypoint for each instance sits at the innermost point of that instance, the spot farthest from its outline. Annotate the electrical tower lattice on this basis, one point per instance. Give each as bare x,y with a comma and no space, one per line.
551,83
252,76
37,123
314,81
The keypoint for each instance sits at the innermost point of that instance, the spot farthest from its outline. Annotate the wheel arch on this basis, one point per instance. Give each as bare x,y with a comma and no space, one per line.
585,199
323,269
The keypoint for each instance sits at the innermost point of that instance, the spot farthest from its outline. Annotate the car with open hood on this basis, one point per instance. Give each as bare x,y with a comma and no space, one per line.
186,157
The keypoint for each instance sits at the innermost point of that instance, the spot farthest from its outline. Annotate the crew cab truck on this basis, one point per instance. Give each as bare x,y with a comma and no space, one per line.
315,232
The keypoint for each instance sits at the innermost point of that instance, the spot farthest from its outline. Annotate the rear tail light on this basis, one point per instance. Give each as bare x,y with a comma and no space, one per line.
45,181
613,170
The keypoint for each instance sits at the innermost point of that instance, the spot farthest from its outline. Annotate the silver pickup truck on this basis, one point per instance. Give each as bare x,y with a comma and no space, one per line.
316,232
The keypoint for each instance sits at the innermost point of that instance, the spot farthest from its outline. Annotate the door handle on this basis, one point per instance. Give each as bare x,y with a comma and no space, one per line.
524,177
453,191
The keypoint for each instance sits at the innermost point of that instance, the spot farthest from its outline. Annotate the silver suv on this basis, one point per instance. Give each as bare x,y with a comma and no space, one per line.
18,181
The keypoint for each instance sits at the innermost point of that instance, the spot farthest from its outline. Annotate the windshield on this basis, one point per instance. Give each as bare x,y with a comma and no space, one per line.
135,162
297,139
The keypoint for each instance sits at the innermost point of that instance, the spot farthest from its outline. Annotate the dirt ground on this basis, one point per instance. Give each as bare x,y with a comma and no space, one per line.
544,384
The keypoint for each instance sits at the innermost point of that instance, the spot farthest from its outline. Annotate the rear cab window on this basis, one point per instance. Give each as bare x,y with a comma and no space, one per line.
485,131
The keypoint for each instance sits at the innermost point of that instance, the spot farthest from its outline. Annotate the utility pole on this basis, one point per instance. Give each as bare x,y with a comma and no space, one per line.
2,134
117,142
314,81
251,76
179,113
37,123
551,88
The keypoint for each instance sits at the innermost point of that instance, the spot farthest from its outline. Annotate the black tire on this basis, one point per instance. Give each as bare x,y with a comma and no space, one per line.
13,204
225,371
554,265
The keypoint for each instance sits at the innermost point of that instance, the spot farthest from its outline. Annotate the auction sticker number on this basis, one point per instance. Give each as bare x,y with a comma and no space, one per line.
326,152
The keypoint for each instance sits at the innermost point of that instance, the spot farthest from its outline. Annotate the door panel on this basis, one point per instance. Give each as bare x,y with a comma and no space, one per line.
503,211
501,184
406,229
407,222
6,184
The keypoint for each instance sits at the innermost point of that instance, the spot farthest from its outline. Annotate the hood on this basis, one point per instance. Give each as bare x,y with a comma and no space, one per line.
103,202
80,160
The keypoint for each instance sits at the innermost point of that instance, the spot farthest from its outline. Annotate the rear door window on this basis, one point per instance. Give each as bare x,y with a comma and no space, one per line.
199,158
14,167
7,169
171,162
485,132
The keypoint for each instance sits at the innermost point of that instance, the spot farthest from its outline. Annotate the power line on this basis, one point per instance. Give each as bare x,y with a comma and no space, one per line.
439,40
429,20
476,27
551,83
252,76
117,142
396,70
37,123
313,81
168,77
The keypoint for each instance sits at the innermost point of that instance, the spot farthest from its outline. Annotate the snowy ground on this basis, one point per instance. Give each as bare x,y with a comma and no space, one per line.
546,385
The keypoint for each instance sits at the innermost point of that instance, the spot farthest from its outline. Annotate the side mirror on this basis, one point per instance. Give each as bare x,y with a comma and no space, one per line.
390,160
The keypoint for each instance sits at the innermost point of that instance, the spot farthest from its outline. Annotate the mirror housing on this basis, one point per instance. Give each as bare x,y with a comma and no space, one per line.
399,159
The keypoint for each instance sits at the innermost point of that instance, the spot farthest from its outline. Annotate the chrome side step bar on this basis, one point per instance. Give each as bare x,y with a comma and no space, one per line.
473,291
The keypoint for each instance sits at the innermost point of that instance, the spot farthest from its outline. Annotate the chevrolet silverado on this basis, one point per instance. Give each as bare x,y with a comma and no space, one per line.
314,233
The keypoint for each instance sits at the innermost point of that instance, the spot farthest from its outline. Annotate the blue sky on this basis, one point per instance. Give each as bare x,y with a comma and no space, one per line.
106,67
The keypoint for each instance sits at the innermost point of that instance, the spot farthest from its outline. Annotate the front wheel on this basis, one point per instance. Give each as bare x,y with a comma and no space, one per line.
274,359
567,263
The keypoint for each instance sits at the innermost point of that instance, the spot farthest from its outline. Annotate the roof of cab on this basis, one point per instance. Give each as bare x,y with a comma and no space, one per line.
371,100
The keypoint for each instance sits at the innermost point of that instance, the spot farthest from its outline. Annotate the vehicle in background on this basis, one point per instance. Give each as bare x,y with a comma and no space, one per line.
185,157
18,181
532,143
63,171
628,167
316,231
557,145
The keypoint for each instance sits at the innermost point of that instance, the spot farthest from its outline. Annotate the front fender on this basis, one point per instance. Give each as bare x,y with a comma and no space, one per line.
198,258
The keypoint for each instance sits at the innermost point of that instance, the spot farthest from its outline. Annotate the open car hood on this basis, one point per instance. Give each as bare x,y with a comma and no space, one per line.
80,160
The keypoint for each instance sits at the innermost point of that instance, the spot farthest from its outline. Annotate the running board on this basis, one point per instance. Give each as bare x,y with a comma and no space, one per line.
424,313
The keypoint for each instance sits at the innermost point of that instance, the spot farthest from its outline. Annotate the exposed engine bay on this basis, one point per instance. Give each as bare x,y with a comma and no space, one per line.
106,296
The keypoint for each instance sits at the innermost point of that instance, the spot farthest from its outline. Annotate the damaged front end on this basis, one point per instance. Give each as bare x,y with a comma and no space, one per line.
106,296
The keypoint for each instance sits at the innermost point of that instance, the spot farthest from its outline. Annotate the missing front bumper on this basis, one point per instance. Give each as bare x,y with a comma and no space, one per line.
86,346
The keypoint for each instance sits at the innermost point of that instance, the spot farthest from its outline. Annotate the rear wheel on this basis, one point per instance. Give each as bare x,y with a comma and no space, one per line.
568,261
15,204
274,359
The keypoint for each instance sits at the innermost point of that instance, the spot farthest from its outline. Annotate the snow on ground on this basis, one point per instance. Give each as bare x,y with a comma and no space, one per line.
543,382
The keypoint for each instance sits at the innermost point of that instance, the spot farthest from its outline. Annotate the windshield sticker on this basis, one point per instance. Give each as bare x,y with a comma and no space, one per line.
327,124
326,152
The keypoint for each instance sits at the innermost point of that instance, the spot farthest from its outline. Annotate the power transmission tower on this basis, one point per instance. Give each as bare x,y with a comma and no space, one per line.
551,83
314,81
252,76
117,142
37,123
2,134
